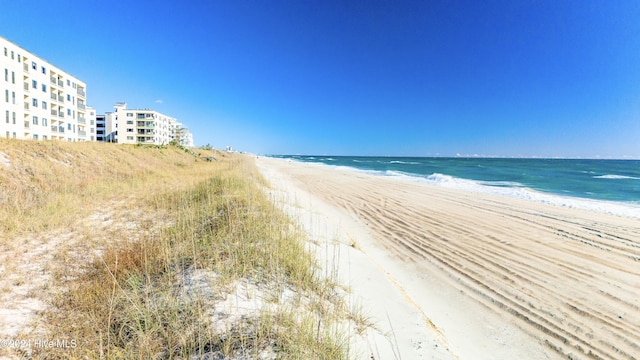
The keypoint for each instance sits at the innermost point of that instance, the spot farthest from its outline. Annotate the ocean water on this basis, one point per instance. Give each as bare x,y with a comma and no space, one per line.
611,186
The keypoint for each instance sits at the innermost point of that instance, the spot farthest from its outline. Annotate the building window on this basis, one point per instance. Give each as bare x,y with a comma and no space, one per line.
35,120
45,122
35,103
12,55
68,82
140,116
34,66
44,105
130,130
6,95
129,114
13,77
13,97
5,54
13,116
44,71
35,136
44,137
129,122
44,87
68,112
14,134
69,127
7,116
6,75
34,84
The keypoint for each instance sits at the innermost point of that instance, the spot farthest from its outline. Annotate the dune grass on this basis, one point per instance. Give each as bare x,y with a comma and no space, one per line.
140,222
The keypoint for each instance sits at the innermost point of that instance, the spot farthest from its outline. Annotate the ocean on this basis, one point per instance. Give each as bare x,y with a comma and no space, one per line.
611,186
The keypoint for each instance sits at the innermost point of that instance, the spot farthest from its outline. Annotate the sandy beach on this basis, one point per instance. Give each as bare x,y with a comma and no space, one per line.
451,274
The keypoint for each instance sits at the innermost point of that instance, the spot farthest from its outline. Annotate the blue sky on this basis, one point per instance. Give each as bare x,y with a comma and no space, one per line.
422,78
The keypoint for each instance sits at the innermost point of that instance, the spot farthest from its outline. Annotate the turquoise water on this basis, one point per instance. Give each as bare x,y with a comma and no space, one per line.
606,185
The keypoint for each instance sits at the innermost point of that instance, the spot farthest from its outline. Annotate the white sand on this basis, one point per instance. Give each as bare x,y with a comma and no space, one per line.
449,274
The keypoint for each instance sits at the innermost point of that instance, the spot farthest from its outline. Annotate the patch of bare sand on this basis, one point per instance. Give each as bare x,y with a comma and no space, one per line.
34,268
489,277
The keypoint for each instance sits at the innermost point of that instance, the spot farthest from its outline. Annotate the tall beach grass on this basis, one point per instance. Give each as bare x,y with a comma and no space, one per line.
158,240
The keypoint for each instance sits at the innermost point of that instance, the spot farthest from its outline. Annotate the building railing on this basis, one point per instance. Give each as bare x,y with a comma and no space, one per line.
82,120
61,114
54,96
60,83
26,87
54,80
54,128
81,106
27,124
81,92
82,133
25,66
61,98
26,106
54,112
61,129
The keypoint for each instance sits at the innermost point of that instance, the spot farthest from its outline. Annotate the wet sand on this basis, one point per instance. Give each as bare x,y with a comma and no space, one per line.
491,277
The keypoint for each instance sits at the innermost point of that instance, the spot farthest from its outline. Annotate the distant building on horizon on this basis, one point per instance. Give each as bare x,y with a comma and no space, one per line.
39,100
141,126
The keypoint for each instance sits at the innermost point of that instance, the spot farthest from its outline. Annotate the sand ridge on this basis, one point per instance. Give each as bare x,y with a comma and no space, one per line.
494,273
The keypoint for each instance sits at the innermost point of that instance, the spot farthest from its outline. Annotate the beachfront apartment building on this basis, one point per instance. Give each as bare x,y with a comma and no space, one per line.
140,126
183,136
40,101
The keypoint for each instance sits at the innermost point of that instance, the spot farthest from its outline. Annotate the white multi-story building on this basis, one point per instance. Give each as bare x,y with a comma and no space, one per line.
39,100
183,136
137,126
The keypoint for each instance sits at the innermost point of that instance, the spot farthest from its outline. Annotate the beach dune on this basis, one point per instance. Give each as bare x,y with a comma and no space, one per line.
492,277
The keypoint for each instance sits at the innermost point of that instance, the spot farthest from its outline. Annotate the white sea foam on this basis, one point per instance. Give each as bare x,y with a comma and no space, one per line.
519,191
508,189
618,177
404,162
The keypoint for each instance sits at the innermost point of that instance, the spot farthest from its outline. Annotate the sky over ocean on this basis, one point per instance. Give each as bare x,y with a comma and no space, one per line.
425,78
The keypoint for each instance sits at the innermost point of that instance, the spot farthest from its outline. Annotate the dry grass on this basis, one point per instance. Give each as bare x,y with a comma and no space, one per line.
124,229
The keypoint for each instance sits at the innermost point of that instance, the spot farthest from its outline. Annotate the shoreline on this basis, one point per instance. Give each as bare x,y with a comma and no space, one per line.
495,277
630,209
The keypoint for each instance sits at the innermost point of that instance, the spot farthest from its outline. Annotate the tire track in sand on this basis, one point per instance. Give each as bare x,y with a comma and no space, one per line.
568,278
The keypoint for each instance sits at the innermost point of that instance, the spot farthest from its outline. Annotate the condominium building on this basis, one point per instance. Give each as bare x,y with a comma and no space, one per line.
137,126
39,100
183,136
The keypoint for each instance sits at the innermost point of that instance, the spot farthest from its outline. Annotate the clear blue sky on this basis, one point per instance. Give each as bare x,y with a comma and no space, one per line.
423,78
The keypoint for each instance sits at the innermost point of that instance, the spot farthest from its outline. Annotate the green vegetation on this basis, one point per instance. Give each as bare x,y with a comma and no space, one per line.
158,244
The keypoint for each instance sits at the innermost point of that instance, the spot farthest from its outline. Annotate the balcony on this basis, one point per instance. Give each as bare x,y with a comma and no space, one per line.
54,128
60,83
81,92
61,129
54,96
54,80
27,124
54,112
61,98
81,106
25,66
26,87
61,114
26,106
82,133
82,120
